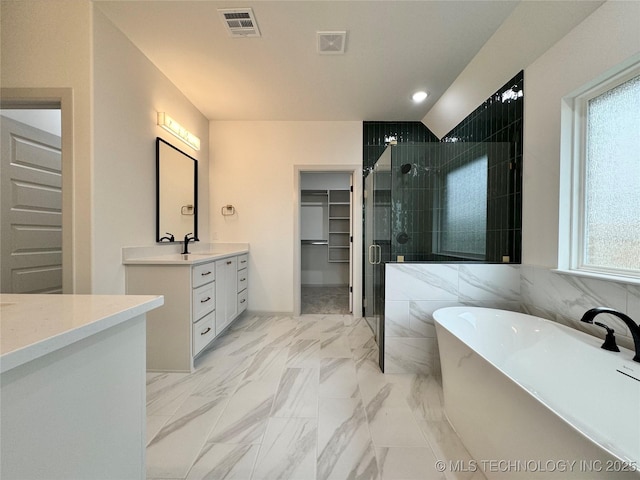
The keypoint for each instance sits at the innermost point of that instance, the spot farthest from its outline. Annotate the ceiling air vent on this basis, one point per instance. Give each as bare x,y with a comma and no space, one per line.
240,22
331,43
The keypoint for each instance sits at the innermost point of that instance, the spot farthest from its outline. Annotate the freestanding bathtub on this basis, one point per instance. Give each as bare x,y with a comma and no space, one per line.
533,399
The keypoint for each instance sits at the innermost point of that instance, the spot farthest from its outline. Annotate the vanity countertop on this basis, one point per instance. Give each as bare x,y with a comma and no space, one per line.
212,253
35,325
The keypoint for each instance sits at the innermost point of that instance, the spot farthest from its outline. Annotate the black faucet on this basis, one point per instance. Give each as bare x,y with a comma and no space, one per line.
188,239
170,238
634,328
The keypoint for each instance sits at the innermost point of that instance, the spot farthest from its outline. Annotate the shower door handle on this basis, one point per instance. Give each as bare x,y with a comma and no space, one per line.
379,260
371,261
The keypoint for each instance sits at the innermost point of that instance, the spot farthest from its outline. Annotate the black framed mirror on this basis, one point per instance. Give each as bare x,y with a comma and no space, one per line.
176,193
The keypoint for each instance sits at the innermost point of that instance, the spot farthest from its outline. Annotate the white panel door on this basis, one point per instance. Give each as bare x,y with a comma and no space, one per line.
31,213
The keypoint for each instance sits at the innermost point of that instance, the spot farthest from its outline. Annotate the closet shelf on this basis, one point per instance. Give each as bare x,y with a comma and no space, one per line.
339,225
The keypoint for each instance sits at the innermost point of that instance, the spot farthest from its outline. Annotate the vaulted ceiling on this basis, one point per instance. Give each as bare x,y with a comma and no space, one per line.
393,48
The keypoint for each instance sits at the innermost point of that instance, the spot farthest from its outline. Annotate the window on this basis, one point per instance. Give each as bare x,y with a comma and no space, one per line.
603,224
464,210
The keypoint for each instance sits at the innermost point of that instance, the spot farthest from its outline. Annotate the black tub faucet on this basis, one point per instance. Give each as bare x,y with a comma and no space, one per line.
188,239
634,328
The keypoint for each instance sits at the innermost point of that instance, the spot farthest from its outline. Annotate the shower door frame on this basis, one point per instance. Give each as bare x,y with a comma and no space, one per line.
376,227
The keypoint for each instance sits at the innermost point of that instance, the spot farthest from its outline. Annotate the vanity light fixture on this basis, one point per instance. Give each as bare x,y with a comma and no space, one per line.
174,128
419,96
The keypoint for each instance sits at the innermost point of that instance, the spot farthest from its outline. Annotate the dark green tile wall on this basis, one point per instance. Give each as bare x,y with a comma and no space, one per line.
496,127
499,120
374,134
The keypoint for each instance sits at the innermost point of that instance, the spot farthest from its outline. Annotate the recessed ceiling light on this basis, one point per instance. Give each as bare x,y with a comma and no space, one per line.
419,96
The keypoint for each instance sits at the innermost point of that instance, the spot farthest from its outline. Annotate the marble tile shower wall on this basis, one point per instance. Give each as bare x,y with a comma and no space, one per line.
565,298
414,291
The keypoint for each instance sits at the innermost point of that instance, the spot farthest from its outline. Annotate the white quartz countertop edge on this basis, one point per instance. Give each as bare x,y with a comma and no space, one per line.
24,347
180,259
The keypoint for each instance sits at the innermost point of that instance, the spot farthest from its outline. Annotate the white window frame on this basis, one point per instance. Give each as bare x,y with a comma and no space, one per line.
572,176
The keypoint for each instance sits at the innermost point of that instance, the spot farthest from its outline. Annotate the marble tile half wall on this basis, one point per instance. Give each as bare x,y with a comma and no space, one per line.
414,291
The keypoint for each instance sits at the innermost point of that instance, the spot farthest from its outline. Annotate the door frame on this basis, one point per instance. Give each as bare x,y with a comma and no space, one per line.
356,229
54,98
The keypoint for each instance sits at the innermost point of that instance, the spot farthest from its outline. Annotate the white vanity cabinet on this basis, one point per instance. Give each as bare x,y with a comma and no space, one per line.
226,292
201,300
231,287
243,283
72,386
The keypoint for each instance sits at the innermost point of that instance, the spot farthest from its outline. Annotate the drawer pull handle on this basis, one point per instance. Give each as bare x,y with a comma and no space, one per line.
242,279
243,261
208,329
205,300
229,262
242,301
204,274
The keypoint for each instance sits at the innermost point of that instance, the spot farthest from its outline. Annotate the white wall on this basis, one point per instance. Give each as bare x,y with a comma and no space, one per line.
528,32
252,168
606,38
48,45
128,91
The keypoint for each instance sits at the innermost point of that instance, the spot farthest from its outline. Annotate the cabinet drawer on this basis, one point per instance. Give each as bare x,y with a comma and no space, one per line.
242,301
203,332
243,261
242,279
203,300
203,273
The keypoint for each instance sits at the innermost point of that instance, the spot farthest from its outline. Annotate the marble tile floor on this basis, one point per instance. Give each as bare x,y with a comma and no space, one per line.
298,398
324,300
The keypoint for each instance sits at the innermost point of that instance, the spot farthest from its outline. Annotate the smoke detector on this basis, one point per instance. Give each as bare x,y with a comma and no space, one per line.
240,22
331,43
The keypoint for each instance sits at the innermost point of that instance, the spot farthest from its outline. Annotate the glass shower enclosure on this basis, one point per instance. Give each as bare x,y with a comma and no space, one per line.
377,234
439,202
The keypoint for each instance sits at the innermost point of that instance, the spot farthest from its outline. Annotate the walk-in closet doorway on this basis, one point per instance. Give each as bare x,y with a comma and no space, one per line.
325,241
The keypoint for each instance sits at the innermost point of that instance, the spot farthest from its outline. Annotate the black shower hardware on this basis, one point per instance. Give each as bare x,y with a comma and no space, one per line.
170,238
188,239
634,328
406,168
402,238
